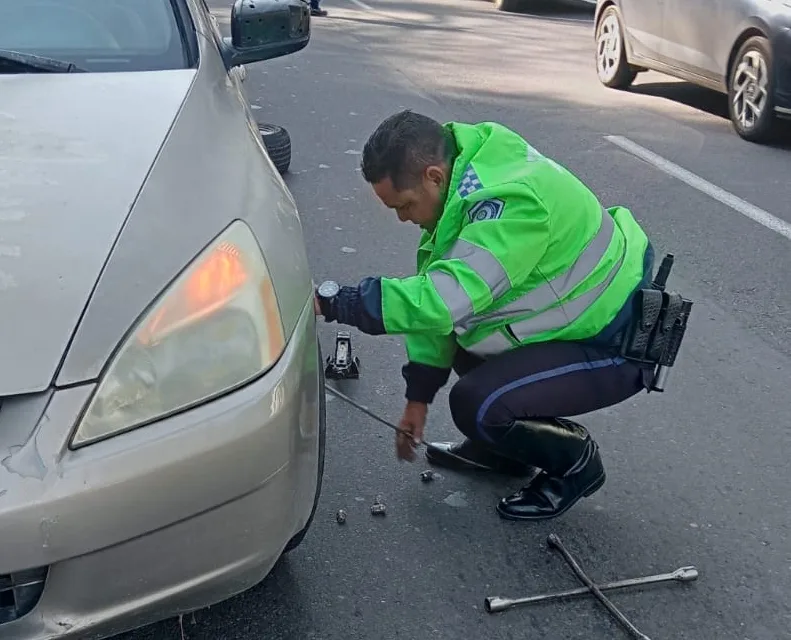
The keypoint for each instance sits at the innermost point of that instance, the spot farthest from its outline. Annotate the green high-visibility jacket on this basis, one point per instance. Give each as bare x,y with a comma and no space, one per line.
522,253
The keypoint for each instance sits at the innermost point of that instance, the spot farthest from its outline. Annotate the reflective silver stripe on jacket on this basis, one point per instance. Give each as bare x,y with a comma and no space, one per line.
490,345
555,318
483,263
560,286
453,295
562,315
567,313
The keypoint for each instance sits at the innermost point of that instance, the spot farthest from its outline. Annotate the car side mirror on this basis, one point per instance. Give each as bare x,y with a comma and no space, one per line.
266,29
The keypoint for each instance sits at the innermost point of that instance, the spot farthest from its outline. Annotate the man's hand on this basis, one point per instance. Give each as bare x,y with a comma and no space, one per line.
316,305
413,421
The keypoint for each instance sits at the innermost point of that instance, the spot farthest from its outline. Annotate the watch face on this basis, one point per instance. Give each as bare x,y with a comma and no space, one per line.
328,289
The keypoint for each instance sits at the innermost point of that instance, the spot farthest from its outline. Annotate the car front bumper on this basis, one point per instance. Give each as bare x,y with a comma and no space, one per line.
165,519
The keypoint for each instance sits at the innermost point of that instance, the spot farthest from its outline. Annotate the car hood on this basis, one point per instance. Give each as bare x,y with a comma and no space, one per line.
75,150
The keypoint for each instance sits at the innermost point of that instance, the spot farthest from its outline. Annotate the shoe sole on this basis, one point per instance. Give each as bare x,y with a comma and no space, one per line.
593,488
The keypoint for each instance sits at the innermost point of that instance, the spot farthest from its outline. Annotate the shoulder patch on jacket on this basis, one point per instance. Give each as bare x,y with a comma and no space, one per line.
469,183
486,210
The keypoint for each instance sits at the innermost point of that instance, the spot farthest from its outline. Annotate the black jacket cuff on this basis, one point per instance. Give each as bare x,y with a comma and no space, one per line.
423,381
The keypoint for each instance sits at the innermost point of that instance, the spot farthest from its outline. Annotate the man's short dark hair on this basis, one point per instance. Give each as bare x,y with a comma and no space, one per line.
403,146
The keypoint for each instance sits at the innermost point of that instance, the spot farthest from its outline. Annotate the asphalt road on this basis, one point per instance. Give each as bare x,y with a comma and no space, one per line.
698,475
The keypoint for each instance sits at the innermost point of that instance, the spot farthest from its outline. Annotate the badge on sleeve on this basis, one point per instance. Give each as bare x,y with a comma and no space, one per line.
486,210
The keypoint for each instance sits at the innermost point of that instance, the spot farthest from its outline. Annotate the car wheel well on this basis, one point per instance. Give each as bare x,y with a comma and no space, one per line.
300,535
743,37
604,7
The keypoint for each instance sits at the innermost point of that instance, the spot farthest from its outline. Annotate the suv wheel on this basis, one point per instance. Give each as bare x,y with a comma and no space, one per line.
612,67
751,91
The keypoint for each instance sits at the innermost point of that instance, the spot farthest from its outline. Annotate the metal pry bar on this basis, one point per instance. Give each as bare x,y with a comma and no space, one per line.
368,412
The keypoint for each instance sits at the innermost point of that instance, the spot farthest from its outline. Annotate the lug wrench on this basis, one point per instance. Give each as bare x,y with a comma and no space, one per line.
495,604
403,432
554,541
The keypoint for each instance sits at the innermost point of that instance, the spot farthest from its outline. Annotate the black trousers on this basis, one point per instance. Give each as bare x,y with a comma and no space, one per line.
547,380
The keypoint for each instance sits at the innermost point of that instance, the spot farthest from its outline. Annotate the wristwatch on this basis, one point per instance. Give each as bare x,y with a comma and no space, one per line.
328,290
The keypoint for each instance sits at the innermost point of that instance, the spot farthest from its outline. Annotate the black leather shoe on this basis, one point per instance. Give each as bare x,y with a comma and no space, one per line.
550,496
471,456
318,13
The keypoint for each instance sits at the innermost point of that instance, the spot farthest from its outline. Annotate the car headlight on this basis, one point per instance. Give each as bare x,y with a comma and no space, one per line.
216,327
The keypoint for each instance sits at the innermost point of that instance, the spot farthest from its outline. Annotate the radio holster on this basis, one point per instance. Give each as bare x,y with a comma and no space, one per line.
659,322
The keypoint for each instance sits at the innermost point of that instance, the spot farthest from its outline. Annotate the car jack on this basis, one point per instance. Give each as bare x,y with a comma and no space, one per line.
342,365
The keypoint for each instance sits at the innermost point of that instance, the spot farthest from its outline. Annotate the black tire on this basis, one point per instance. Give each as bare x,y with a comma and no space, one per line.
621,75
300,536
278,145
510,6
754,129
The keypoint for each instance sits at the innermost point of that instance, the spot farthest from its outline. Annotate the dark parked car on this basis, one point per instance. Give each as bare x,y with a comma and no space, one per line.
738,47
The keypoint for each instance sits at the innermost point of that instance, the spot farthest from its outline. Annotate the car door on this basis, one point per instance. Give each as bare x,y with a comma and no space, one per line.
642,22
694,30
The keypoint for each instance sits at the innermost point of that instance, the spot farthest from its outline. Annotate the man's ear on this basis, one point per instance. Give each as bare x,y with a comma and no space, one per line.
435,175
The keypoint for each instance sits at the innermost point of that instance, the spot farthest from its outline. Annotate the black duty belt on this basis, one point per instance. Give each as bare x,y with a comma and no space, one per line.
656,331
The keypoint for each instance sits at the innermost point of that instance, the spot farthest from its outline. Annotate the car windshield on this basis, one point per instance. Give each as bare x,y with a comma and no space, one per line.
94,35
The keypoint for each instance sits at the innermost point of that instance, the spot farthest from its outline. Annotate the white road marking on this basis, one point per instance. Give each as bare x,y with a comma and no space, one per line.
734,202
363,6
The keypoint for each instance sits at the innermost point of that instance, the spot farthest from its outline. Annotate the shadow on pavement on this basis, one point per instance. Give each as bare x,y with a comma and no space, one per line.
249,613
411,26
703,99
557,8
577,10
687,94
